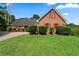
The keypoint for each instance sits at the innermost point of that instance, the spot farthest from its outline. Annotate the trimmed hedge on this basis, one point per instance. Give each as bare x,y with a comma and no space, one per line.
3,28
68,30
63,30
31,29
75,31
42,30
51,30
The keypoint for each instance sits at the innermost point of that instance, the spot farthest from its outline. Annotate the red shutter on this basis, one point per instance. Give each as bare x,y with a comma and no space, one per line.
54,16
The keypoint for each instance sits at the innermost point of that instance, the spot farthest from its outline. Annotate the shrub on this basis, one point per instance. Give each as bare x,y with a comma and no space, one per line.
10,29
42,30
32,29
3,28
27,29
71,25
51,30
63,30
75,31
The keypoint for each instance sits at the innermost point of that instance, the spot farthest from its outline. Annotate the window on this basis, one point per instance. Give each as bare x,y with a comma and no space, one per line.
55,25
47,25
51,15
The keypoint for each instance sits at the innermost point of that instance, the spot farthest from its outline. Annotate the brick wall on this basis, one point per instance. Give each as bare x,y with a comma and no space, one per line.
47,19
56,20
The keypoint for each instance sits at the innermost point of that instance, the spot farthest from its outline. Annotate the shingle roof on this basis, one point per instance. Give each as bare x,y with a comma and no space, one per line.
24,22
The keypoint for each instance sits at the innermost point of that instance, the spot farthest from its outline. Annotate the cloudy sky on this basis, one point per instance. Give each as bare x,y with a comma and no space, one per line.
70,11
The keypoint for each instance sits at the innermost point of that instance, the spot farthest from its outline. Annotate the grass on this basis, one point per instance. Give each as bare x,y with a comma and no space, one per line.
40,45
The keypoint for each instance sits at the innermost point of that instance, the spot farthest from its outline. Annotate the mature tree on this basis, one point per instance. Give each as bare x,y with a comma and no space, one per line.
4,18
71,25
35,16
12,18
3,21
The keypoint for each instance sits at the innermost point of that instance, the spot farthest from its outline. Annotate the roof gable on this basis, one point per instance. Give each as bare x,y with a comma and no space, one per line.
54,10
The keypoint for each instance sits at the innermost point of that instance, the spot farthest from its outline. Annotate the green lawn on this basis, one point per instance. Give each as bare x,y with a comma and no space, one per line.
40,45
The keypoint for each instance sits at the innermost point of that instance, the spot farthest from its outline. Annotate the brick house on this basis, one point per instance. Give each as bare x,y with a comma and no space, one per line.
51,19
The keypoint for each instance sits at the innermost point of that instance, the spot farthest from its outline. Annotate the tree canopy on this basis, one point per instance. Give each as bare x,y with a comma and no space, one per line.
35,16
5,18
12,18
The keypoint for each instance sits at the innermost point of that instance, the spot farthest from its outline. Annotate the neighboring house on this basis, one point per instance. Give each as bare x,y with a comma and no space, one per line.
19,24
51,19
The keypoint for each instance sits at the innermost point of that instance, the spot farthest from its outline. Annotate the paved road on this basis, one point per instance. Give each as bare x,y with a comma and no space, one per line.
11,34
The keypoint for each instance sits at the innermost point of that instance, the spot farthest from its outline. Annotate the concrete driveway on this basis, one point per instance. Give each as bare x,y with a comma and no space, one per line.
11,34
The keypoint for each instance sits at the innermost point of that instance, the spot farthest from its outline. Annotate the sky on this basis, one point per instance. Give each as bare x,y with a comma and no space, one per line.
70,11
